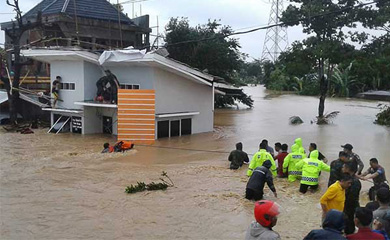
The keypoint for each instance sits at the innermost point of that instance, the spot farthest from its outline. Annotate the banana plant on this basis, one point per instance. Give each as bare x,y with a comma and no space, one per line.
343,80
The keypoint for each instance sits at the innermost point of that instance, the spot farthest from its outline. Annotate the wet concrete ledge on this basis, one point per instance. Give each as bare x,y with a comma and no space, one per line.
375,95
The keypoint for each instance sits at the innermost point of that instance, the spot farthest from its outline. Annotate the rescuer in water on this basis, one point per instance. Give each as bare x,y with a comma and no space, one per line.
311,168
259,158
290,161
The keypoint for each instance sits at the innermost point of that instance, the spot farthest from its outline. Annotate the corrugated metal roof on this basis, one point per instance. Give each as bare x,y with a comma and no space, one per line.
96,9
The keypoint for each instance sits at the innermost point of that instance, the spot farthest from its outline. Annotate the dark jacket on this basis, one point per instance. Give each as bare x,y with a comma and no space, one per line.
333,226
335,171
352,196
260,176
237,158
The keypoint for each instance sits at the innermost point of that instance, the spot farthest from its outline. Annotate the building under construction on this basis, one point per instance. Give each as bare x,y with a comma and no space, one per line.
90,24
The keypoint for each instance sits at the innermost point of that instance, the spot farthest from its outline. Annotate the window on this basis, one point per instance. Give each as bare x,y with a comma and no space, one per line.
129,86
67,86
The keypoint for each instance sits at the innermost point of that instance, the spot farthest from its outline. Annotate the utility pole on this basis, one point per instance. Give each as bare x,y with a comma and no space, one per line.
276,39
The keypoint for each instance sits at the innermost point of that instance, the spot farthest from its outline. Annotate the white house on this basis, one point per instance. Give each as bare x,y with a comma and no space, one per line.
159,97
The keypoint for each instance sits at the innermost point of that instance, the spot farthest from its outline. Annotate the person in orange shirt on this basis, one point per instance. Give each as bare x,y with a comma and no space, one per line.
334,197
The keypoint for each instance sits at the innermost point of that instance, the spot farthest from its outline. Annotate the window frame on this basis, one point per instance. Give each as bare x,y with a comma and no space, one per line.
71,86
132,86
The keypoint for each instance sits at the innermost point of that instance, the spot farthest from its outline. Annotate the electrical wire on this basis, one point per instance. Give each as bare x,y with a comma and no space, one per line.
272,25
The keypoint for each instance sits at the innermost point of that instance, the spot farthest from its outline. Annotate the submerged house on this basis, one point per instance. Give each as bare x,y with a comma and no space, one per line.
158,97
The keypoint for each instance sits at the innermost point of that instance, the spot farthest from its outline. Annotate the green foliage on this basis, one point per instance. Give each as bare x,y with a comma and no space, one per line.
223,101
278,81
205,47
383,117
141,186
343,81
311,85
326,51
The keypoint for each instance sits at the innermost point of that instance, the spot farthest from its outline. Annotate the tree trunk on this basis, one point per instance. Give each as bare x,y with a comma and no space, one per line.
323,88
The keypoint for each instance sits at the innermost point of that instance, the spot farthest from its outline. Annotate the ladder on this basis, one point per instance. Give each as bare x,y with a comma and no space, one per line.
59,125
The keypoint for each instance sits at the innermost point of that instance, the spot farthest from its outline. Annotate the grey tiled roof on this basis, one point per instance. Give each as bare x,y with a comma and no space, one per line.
96,9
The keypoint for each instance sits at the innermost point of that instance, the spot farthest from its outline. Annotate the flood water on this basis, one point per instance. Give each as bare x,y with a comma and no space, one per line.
61,187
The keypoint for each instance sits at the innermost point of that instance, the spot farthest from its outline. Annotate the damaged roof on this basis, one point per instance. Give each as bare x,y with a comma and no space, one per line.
96,9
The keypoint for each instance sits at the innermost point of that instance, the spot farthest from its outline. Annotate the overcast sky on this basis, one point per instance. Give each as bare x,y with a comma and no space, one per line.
238,14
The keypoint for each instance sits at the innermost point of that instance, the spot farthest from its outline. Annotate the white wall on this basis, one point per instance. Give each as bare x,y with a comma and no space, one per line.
111,112
134,75
92,73
92,121
94,117
177,94
73,72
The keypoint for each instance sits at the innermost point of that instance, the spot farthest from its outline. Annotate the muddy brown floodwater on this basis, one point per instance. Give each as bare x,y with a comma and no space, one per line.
61,187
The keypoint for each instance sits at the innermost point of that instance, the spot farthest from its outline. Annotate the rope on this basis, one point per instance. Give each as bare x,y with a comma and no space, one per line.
186,149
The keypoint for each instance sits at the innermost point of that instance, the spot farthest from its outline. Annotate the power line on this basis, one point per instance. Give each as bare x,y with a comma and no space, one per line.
272,25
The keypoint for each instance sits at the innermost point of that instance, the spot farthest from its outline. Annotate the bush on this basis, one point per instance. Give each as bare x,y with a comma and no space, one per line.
383,117
311,85
278,81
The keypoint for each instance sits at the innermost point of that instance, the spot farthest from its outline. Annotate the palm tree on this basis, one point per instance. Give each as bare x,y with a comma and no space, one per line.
343,80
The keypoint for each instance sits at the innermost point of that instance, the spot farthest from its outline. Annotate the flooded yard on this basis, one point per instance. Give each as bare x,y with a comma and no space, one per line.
61,187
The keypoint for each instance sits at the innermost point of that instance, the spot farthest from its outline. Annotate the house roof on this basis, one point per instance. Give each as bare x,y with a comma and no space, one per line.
96,9
120,58
136,57
50,55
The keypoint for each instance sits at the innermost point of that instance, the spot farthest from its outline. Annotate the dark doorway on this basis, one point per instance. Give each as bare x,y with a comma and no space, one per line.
186,126
163,129
175,128
107,125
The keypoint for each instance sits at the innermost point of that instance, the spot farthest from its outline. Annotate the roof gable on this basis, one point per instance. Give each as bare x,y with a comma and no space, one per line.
96,9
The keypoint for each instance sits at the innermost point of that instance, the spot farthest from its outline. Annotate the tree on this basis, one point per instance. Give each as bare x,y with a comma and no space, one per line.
204,47
327,44
208,48
15,33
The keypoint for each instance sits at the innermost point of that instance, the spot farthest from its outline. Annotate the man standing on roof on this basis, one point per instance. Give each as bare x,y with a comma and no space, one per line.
259,158
353,157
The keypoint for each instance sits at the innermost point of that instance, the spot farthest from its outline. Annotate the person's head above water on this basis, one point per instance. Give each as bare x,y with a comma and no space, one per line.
284,147
263,145
347,147
278,146
343,156
265,141
239,146
374,163
106,145
312,147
